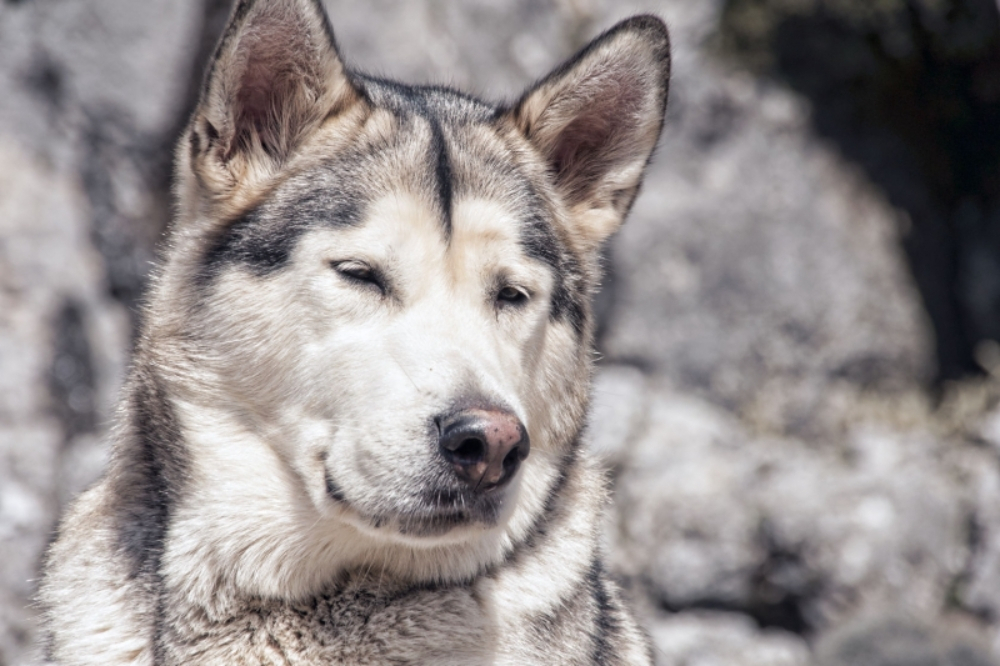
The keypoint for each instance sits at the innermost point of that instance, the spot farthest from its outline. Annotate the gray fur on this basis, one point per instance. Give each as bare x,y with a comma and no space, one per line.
352,259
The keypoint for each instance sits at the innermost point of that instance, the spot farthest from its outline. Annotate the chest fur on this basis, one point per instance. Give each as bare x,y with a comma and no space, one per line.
353,625
365,623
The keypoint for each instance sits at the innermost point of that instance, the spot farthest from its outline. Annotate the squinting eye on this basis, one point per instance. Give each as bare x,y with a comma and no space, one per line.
511,296
359,273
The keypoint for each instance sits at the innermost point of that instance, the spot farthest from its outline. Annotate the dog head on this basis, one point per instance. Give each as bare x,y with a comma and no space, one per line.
389,286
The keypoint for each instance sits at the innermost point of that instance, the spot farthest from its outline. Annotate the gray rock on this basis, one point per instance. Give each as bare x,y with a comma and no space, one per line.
847,58
796,535
723,639
978,589
90,91
492,49
889,640
49,408
617,411
684,519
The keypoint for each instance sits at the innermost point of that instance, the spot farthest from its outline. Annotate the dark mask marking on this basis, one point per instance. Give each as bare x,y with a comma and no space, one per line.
152,469
334,490
262,239
607,621
540,242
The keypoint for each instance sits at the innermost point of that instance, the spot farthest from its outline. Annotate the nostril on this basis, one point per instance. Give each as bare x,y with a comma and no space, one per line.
470,452
511,460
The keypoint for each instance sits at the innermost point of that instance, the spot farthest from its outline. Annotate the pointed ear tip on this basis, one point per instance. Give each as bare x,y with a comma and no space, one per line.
245,9
644,22
649,29
324,16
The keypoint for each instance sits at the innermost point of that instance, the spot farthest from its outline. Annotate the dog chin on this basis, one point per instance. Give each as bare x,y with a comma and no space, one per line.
440,519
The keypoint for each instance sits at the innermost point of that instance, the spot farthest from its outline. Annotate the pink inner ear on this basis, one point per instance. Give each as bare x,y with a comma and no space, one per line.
264,87
274,84
600,135
580,140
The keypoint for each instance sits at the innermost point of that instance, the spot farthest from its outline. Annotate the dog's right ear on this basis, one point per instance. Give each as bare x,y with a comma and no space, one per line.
276,76
596,119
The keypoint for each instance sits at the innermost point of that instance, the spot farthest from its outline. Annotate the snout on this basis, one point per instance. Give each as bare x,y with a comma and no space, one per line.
485,447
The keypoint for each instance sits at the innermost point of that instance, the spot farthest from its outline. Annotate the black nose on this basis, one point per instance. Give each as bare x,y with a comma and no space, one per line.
484,446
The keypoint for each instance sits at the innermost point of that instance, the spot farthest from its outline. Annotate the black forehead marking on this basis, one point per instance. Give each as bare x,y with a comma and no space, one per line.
442,173
439,106
262,239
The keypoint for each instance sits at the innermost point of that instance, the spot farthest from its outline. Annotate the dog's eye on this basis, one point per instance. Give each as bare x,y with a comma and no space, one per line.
359,273
511,296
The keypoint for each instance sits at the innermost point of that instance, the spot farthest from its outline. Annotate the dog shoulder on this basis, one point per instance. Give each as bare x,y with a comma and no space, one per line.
94,610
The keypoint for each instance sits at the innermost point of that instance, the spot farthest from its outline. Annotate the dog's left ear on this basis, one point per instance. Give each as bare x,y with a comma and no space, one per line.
596,119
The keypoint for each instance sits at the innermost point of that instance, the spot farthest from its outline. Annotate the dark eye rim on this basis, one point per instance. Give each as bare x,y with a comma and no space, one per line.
511,296
359,273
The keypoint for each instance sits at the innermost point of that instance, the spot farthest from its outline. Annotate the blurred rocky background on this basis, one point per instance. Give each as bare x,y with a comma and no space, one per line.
799,397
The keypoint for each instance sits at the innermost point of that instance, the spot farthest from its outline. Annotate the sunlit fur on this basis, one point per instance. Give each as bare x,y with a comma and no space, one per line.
276,493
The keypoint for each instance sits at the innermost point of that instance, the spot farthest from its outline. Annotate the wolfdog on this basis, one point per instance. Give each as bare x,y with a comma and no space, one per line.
351,429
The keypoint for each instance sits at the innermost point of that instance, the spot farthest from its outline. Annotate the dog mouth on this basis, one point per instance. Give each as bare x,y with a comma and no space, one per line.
333,489
431,513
